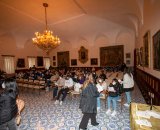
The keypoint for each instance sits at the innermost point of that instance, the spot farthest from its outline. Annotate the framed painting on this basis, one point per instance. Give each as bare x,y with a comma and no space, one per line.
111,55
94,61
63,59
128,55
146,42
21,63
137,57
128,62
54,58
156,51
73,62
83,55
54,63
39,61
141,56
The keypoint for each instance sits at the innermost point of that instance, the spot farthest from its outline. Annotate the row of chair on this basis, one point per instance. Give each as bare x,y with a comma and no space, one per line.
31,84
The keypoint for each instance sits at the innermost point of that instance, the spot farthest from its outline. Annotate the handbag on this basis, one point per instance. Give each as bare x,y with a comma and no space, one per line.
20,105
18,119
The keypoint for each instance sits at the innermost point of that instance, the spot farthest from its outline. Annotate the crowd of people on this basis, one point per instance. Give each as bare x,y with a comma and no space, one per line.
91,85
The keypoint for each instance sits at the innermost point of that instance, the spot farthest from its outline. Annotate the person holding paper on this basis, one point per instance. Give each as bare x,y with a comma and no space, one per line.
113,90
58,86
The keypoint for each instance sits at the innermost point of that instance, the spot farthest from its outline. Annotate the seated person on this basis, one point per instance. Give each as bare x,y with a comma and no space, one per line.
68,85
113,91
77,87
78,84
58,85
81,79
54,77
102,75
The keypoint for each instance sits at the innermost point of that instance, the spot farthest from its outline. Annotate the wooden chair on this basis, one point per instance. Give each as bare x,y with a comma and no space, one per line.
75,92
31,84
104,97
39,85
25,84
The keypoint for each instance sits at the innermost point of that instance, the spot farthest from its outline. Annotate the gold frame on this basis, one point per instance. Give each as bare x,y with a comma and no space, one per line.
146,45
83,55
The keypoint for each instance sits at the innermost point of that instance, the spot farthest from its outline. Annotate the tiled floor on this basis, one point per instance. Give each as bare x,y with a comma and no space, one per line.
40,111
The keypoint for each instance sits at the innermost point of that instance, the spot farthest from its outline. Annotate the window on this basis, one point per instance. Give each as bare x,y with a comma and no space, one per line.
47,63
9,64
31,61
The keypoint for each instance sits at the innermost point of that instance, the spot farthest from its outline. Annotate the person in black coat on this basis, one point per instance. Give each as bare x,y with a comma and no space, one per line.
88,103
8,106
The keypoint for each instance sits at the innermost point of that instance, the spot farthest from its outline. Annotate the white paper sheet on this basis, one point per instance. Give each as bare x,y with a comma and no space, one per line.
144,122
154,114
143,114
111,89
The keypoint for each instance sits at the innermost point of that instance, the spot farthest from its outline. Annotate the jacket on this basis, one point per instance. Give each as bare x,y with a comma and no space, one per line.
128,82
88,101
8,106
116,87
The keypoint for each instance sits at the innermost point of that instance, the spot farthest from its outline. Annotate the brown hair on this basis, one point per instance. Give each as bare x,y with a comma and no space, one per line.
88,80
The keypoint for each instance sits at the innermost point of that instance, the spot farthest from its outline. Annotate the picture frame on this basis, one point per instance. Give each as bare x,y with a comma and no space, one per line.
128,62
73,62
20,62
54,63
83,55
39,61
94,61
156,51
54,58
146,45
141,56
63,59
128,55
137,57
111,55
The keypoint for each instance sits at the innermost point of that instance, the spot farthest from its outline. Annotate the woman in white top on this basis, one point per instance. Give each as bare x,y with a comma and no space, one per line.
100,89
128,85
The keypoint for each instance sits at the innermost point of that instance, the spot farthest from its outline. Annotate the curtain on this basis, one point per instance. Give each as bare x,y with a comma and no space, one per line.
9,64
47,63
31,61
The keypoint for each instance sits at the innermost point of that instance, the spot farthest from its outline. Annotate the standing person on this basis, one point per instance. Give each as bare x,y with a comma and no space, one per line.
88,103
100,89
113,92
8,106
128,85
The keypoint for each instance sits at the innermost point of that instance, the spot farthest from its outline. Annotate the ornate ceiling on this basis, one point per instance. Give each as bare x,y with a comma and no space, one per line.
69,18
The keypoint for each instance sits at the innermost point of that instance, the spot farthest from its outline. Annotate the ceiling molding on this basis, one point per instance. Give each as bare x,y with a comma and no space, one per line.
67,19
80,7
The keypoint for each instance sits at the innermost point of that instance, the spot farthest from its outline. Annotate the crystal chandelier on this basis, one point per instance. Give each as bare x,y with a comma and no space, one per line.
46,41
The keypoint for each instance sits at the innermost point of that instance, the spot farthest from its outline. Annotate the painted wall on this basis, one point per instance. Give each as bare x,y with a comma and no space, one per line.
10,46
21,47
94,42
152,24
